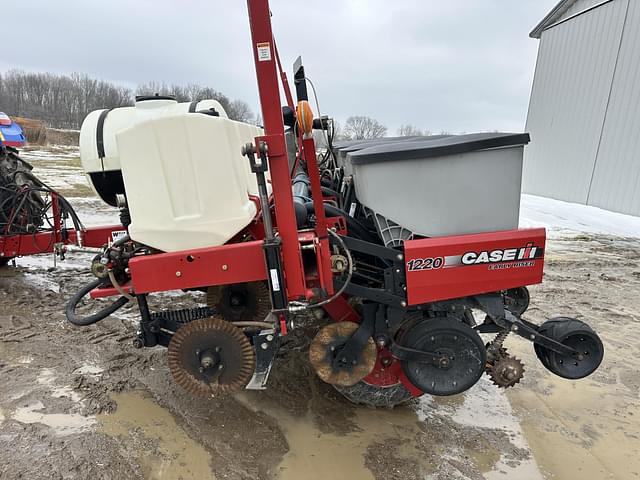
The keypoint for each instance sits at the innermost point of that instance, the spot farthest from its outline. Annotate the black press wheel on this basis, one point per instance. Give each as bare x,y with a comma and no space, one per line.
575,334
516,300
462,351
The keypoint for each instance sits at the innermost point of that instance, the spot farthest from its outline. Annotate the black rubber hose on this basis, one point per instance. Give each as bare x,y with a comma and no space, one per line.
70,310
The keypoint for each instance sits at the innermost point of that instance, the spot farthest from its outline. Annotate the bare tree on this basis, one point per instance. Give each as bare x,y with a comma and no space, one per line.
409,131
236,109
63,101
59,100
361,127
239,110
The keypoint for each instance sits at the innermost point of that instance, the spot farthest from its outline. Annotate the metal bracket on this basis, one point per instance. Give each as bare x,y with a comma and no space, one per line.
266,344
413,355
348,355
493,305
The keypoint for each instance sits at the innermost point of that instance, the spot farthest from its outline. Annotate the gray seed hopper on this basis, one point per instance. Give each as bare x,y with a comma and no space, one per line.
437,186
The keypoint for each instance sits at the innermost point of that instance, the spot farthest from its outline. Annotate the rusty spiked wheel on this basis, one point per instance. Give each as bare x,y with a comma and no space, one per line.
209,357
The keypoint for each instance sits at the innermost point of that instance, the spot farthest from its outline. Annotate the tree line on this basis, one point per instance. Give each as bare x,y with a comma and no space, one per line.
63,101
360,127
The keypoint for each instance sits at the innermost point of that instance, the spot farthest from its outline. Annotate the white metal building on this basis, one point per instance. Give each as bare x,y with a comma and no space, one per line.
584,112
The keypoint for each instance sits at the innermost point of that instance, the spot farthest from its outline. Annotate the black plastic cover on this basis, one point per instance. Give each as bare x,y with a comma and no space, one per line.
436,146
144,98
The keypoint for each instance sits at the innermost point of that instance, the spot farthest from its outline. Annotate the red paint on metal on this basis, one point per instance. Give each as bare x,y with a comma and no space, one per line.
269,91
391,374
44,242
283,78
455,281
323,253
110,291
283,324
57,220
97,237
341,311
384,375
202,267
30,244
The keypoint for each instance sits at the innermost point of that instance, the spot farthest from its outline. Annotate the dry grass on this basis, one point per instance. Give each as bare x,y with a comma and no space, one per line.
34,130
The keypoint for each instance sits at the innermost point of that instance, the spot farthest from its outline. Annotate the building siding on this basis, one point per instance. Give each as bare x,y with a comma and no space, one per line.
569,98
616,177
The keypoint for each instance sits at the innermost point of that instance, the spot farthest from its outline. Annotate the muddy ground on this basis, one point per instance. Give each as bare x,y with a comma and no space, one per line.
79,403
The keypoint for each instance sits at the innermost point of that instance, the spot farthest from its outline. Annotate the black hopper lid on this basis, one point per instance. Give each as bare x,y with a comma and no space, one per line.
437,146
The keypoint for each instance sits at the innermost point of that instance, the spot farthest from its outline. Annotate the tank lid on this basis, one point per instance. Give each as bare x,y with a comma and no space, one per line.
144,98
440,145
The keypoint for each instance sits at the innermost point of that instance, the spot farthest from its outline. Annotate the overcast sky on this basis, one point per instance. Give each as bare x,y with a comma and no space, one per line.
455,65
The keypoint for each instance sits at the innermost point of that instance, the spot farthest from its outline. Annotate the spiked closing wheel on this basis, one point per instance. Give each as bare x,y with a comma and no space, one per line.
506,372
242,301
210,356
327,344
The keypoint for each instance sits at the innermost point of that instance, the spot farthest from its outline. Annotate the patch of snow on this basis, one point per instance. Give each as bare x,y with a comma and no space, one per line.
46,260
24,360
42,282
89,370
62,423
563,218
47,378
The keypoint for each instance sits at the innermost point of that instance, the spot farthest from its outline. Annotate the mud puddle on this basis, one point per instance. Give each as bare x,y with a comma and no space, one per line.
317,454
430,439
165,451
581,429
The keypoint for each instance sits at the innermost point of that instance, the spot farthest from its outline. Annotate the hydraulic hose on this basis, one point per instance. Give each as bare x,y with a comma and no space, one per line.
118,287
70,310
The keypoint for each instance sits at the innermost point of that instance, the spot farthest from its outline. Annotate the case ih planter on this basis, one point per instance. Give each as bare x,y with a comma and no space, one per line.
398,240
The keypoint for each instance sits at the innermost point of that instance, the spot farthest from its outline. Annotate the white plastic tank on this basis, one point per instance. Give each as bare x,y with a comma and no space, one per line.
186,183
185,180
103,167
125,117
